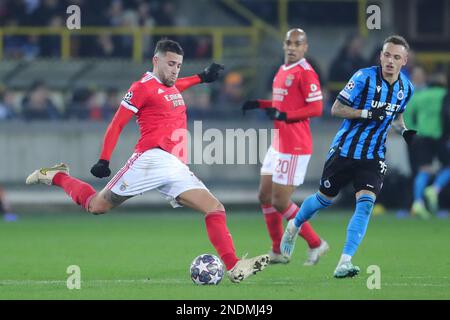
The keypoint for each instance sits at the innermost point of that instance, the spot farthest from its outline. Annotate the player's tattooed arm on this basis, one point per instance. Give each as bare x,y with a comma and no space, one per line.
340,110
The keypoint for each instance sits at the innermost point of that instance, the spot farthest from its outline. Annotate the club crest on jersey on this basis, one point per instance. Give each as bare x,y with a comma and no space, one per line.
123,186
350,85
128,96
313,87
400,95
289,80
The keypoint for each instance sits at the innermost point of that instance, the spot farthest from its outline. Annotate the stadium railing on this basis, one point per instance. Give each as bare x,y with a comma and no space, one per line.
218,35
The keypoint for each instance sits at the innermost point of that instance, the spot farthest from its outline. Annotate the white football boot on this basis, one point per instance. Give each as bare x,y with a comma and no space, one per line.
346,270
46,175
314,254
287,244
244,268
277,258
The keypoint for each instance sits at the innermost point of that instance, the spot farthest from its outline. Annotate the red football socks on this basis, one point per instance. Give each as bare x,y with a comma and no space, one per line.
311,237
274,223
79,191
220,237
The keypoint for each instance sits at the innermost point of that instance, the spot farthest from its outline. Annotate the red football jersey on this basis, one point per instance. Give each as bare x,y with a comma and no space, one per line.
295,86
160,113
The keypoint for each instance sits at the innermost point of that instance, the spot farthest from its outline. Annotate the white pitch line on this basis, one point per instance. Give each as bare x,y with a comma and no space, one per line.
88,282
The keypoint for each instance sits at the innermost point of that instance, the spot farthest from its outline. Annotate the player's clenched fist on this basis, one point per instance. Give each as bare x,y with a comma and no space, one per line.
101,169
409,135
211,73
275,114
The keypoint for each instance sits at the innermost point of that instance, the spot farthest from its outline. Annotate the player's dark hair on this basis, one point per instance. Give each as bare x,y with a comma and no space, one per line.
396,39
166,45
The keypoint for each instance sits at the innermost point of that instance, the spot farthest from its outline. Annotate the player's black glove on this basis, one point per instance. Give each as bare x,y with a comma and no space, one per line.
101,169
250,105
211,73
409,135
374,114
276,114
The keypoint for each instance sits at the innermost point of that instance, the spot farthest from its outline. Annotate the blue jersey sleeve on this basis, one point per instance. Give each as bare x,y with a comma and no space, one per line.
353,89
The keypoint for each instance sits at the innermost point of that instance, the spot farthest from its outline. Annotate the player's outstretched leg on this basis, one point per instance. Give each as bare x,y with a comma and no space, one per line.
356,230
58,175
309,207
215,219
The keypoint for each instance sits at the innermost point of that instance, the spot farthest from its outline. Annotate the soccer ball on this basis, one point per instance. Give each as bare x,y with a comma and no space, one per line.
207,269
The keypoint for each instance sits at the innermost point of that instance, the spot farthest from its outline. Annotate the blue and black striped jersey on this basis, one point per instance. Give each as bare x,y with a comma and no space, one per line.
363,138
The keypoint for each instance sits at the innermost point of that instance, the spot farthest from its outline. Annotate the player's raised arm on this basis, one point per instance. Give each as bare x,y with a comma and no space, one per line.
210,74
121,118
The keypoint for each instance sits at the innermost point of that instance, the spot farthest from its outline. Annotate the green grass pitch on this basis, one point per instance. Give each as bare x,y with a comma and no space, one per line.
147,256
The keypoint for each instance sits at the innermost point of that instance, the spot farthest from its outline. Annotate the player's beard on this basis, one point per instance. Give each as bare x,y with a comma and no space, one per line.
169,82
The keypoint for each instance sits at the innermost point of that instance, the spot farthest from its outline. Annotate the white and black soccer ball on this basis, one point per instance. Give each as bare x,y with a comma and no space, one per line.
207,269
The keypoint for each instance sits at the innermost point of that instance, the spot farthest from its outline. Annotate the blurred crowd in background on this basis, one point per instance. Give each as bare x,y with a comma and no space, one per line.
41,102
221,100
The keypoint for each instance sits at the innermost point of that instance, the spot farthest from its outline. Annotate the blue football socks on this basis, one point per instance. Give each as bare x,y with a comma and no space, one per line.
420,183
442,179
358,224
309,207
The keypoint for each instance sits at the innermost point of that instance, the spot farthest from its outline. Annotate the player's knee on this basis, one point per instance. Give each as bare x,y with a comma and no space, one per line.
219,206
279,202
97,209
365,202
264,197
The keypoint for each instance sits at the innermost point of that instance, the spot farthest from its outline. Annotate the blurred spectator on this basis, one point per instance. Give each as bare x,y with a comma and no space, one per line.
5,208
165,13
105,47
46,11
51,45
203,47
198,102
419,80
83,105
428,113
232,92
37,105
146,20
348,60
410,65
115,13
20,47
7,105
109,107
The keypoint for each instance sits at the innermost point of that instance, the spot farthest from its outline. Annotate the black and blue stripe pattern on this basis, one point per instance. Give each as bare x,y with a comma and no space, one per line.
362,138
